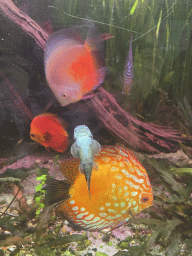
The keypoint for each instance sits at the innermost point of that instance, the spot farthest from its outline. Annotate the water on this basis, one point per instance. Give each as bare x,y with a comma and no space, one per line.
160,93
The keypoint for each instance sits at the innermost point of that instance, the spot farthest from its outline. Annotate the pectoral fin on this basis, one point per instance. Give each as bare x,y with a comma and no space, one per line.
95,147
48,149
95,167
75,150
81,168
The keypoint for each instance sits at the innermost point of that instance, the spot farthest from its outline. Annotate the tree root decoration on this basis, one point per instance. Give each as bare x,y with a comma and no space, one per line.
148,137
15,196
144,136
10,10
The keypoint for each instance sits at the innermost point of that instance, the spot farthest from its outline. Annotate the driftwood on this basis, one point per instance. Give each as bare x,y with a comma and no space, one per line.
139,135
9,9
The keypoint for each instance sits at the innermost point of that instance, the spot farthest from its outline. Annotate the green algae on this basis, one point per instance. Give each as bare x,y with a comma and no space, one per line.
100,254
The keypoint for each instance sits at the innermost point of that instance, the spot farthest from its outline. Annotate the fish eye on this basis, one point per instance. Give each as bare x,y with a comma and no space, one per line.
63,95
32,135
145,199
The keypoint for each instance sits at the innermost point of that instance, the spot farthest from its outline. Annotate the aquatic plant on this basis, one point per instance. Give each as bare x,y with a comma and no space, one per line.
170,221
39,189
42,175
38,199
186,113
160,30
56,160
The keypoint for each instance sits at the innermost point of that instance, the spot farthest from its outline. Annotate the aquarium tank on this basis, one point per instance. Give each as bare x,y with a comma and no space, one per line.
96,127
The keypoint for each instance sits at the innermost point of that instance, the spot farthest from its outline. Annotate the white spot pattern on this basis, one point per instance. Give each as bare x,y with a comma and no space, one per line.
134,193
132,177
89,217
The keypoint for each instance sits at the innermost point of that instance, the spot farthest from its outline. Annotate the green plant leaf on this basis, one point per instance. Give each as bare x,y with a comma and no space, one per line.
42,177
173,248
37,199
154,236
147,222
168,178
41,205
168,229
38,187
38,211
182,170
134,7
158,24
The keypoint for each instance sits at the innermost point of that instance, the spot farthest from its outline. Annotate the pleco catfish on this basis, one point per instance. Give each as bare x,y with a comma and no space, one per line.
74,66
85,147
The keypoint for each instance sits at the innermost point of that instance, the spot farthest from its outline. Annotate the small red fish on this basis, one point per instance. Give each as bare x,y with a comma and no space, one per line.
74,66
120,188
49,131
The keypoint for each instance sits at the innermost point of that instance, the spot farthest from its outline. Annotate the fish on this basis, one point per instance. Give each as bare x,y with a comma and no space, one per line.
74,66
85,147
120,189
48,130
22,114
128,71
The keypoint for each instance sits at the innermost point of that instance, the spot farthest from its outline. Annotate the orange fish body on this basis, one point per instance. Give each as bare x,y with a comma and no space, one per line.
72,66
48,130
120,189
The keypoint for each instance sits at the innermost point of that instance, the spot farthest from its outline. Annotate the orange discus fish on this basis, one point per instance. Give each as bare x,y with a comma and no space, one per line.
48,130
74,66
120,189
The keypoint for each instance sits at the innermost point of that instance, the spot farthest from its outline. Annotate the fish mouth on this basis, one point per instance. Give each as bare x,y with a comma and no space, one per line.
69,94
66,100
81,131
36,137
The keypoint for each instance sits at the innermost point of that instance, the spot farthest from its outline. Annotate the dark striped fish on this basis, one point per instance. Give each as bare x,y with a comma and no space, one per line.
128,70
17,102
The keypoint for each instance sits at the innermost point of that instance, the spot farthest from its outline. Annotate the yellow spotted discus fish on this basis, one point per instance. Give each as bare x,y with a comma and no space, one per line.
119,190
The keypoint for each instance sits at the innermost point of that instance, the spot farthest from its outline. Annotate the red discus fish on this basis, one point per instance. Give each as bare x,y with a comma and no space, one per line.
48,130
74,66
120,189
